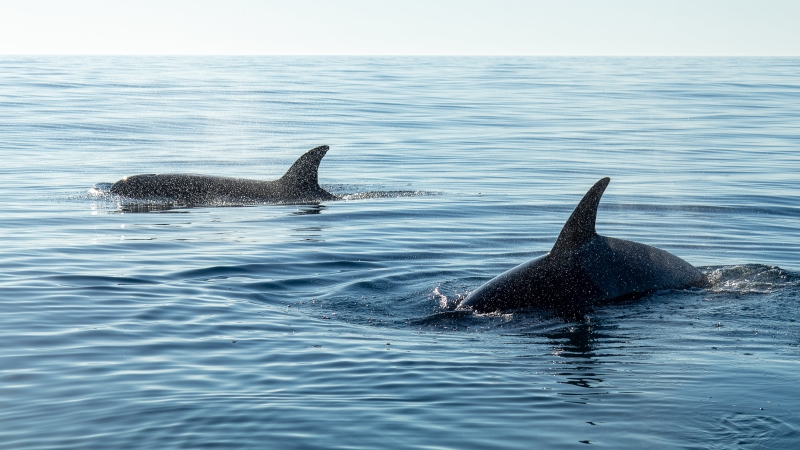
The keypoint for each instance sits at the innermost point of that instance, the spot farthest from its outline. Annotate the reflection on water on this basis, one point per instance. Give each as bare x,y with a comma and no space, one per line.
574,340
309,209
150,206
310,234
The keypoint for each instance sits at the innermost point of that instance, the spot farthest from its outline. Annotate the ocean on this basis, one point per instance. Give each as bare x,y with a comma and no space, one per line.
332,325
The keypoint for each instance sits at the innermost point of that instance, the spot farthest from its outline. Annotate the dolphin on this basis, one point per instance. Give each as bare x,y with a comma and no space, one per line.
584,269
298,185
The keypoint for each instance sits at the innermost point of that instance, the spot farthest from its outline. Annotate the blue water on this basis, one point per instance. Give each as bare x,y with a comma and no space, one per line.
332,325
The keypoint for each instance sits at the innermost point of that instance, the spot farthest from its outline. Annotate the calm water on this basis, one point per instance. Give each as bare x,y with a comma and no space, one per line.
331,326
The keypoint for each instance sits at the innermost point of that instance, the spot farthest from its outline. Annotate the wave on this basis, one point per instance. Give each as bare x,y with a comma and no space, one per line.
749,279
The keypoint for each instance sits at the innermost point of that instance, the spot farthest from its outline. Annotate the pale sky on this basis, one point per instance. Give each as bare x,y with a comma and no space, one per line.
410,27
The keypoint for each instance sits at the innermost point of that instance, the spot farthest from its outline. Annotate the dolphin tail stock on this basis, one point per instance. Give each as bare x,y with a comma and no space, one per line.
580,226
302,178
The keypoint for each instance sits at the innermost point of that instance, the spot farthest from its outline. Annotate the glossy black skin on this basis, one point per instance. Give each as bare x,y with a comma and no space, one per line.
584,270
604,269
298,185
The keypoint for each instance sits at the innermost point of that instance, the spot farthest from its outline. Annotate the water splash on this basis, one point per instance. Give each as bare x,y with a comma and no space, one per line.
749,279
385,194
445,303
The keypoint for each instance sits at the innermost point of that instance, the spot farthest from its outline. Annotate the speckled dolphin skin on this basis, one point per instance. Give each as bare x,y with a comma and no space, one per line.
584,270
298,185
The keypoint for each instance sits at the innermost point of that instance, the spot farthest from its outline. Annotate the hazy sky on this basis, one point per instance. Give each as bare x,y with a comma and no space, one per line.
388,27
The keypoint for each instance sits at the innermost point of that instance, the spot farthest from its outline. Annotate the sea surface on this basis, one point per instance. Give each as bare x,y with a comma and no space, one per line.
144,325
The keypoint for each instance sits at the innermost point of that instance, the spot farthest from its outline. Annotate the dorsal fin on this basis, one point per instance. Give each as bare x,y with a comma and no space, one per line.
302,176
580,225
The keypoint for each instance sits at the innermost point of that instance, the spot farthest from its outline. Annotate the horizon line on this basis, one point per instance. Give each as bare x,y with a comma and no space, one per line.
578,55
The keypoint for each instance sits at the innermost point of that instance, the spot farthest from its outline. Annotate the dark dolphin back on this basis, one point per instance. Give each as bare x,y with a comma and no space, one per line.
621,268
298,184
618,268
584,269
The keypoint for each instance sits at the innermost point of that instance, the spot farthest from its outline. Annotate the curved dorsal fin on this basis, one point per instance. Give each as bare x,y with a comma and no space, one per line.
302,176
580,225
